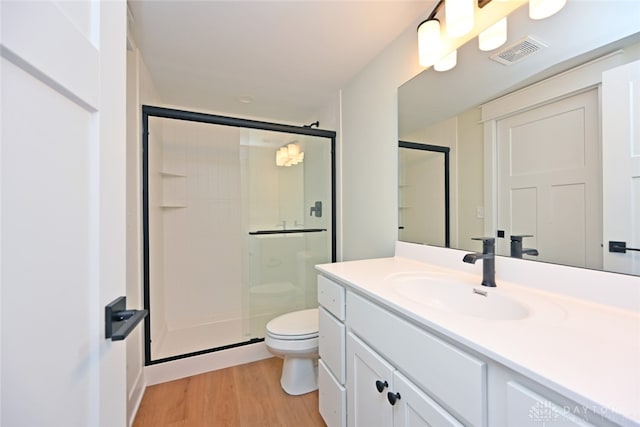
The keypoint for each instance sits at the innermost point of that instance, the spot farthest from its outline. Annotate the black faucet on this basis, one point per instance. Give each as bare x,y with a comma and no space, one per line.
488,258
516,246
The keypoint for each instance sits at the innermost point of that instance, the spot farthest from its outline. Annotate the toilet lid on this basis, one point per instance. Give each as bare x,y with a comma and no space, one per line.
297,325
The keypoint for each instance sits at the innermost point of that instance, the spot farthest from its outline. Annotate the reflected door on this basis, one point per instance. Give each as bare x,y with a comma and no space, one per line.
549,171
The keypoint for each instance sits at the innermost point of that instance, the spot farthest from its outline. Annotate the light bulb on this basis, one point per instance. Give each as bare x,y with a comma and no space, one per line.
293,150
448,62
540,9
494,36
459,14
429,42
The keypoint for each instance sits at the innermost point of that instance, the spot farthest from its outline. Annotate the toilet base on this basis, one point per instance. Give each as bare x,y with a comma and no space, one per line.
299,375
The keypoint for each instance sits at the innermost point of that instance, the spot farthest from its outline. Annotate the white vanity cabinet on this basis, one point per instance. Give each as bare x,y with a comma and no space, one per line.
447,387
372,349
379,395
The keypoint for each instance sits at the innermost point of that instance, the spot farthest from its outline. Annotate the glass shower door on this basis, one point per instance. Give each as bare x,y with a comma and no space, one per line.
288,197
233,228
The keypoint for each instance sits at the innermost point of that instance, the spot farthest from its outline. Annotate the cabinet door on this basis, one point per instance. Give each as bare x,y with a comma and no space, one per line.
366,371
416,409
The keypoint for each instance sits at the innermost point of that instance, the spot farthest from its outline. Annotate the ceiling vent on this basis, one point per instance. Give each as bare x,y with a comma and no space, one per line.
518,51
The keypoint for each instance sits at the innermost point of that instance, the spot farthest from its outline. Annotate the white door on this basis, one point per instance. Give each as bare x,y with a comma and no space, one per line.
621,165
62,195
549,174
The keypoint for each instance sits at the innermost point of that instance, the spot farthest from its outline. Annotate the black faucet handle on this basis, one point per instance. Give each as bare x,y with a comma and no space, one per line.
488,244
519,237
484,239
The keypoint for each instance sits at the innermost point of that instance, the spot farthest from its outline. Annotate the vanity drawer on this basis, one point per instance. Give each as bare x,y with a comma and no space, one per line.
332,398
449,375
331,296
331,343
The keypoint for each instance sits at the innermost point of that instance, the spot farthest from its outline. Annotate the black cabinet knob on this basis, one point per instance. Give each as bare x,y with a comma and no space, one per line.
381,385
393,398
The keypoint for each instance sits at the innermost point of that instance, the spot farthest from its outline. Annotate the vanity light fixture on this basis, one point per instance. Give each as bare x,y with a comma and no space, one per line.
460,18
494,36
289,155
459,15
540,9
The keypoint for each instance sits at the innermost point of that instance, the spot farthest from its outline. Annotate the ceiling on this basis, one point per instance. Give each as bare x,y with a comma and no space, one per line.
288,58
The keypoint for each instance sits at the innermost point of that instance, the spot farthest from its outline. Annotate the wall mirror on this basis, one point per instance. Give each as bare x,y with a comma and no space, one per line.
471,107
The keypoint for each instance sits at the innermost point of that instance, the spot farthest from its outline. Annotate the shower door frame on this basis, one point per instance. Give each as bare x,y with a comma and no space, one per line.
169,113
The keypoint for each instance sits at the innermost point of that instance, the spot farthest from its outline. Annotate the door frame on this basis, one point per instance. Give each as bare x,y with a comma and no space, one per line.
169,113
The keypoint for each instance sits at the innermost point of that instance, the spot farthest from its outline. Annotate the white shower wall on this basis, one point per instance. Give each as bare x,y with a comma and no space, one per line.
202,252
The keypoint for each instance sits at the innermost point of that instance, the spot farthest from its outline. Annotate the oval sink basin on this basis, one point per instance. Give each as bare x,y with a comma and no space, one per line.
459,297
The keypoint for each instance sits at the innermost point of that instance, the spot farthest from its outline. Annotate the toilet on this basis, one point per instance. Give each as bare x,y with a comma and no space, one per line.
294,337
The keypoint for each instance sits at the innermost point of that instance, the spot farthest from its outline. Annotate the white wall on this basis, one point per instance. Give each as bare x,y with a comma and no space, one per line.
140,89
470,170
369,145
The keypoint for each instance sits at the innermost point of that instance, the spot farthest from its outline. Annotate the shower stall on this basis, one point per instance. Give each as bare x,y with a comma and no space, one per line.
236,215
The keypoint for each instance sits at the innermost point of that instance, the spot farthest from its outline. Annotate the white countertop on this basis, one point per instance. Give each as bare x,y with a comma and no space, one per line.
586,351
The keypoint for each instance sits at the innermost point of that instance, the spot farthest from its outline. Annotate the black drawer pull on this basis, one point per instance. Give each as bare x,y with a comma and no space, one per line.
393,398
381,385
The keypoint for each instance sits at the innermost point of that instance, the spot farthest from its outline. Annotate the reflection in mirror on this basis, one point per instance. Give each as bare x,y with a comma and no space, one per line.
462,136
491,116
423,193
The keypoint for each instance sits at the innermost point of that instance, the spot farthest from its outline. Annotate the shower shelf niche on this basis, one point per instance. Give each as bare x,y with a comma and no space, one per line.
173,190
172,175
173,205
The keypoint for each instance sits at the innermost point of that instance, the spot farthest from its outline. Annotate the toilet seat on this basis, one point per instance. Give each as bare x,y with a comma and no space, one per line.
299,325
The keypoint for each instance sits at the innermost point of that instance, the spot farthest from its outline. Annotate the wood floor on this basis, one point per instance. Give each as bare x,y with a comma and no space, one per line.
244,396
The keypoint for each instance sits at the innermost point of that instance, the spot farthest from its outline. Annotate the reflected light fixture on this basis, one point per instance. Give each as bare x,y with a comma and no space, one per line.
429,42
540,9
494,36
447,63
459,17
289,155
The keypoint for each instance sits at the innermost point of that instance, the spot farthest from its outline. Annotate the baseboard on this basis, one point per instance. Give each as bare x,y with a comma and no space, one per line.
135,397
181,368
